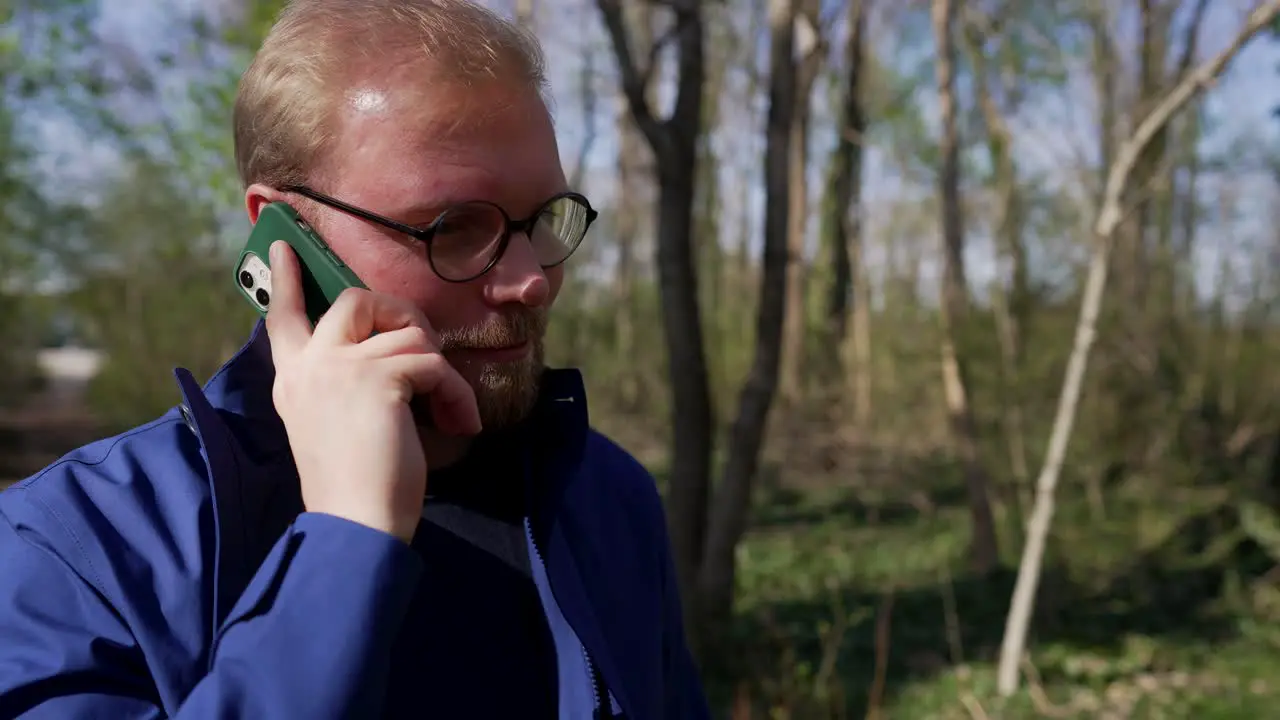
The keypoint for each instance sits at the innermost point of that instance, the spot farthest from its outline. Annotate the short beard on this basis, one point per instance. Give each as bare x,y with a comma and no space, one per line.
506,392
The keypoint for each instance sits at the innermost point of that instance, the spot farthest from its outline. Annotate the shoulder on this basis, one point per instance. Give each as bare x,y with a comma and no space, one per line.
603,455
602,450
620,475
104,508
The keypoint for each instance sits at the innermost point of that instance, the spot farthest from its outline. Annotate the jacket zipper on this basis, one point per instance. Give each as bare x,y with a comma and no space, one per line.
593,676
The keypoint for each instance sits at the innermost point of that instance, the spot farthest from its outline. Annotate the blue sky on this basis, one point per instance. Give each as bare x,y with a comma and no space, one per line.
1054,134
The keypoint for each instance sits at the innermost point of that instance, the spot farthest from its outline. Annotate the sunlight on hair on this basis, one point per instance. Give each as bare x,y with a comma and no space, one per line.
318,50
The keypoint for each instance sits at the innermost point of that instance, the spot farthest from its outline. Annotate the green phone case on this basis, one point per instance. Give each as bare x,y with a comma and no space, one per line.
324,276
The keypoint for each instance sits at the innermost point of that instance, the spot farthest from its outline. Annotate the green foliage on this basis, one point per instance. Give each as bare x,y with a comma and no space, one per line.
51,61
1128,618
19,338
1262,526
204,146
898,121
155,294
247,34
34,42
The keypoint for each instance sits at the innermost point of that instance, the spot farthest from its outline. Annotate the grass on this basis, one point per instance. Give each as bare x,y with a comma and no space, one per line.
1158,611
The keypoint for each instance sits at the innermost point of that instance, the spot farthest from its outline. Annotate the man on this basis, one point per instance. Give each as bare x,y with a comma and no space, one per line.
290,542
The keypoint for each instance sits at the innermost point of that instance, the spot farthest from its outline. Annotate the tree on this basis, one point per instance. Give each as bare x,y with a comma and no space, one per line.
810,48
843,223
954,306
1109,217
155,293
635,178
733,501
705,538
674,141
33,225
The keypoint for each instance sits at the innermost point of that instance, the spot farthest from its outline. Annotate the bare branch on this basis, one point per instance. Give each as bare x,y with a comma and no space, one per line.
691,75
1202,77
587,88
634,82
646,72
1191,39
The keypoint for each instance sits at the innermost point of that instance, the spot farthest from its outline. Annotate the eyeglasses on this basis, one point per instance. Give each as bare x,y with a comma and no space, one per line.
467,240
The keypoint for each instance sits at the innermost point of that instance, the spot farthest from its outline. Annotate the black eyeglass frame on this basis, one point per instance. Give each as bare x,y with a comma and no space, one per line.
425,235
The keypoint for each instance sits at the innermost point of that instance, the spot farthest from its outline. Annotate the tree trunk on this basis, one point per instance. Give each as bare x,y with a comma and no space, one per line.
1109,217
1009,307
718,319
843,221
811,51
635,176
675,143
733,500
744,269
1182,282
953,308
861,338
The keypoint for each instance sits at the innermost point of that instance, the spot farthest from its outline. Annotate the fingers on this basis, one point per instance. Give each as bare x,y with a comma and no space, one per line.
411,339
359,313
382,327
453,402
287,322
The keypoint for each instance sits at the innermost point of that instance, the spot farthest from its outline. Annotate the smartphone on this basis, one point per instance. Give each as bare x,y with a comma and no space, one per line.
324,276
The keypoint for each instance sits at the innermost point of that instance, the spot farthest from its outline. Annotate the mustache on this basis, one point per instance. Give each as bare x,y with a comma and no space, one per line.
513,327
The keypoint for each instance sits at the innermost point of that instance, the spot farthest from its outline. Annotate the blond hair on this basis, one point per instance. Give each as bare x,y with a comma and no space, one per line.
287,100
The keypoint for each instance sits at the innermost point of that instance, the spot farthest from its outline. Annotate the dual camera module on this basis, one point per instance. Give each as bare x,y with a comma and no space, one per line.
254,275
248,282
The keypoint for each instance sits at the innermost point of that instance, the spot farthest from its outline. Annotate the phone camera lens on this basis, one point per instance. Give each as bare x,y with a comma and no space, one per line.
263,297
246,278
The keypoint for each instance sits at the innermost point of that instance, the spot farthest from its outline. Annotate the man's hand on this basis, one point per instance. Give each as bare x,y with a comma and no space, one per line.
344,399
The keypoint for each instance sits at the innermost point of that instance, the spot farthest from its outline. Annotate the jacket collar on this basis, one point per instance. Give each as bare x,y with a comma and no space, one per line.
256,494
251,469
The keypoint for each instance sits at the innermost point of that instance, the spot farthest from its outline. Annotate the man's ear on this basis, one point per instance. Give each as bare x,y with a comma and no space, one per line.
257,196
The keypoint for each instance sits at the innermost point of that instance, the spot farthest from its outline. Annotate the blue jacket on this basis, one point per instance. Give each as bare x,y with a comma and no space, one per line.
171,572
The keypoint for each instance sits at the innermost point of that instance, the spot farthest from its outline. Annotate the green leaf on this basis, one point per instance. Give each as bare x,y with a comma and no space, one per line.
1262,526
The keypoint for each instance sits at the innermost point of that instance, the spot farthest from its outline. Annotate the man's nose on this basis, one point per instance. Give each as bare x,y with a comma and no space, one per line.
518,277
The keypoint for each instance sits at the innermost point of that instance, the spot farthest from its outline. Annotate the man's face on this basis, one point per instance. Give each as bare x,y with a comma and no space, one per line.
409,154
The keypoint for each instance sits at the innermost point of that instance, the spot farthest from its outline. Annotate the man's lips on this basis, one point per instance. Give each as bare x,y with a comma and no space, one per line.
509,353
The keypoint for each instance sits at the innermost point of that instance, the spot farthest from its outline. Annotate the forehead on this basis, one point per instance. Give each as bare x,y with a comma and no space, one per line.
406,142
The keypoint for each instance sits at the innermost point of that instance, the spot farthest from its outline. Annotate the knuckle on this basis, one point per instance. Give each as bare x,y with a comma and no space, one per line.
434,362
352,296
442,373
428,367
419,337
